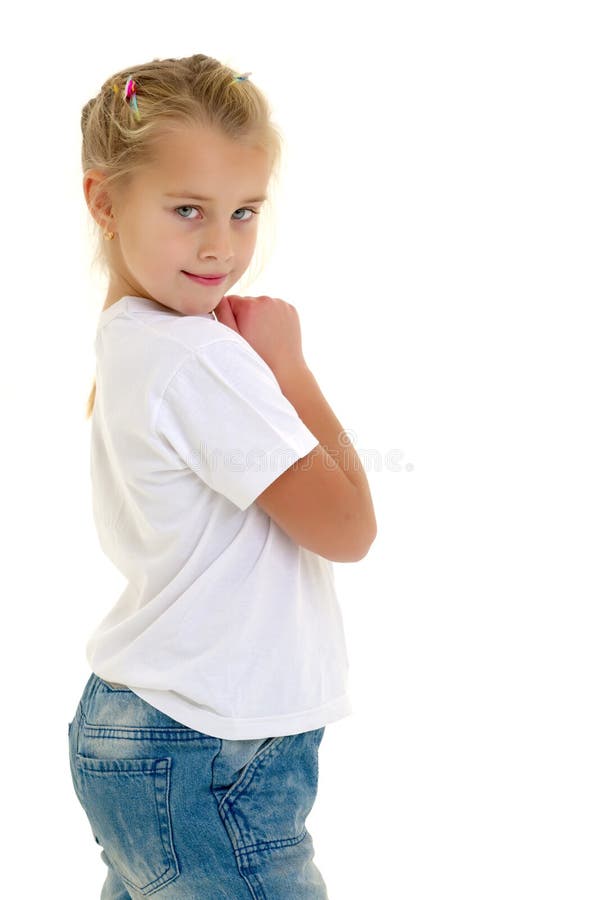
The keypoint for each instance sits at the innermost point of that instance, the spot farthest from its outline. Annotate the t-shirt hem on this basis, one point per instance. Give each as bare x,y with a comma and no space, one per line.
214,725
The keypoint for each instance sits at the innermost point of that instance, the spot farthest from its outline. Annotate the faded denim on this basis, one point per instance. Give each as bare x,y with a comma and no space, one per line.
188,816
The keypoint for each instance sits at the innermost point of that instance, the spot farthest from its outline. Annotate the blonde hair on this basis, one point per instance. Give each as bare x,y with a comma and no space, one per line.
194,90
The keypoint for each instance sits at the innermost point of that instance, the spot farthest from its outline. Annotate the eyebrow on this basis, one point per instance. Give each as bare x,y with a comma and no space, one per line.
189,195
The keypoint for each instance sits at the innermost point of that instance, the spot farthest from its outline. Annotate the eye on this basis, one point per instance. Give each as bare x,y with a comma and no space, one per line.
255,212
184,207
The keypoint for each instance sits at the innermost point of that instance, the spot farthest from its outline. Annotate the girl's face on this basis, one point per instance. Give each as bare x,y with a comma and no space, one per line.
163,229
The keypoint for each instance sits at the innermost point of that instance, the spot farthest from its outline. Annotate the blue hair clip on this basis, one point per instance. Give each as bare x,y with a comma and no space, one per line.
243,77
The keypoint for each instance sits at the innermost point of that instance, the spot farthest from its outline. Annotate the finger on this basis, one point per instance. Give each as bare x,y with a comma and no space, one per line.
225,314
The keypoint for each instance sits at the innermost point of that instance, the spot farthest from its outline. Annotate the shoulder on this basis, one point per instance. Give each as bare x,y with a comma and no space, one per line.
206,344
186,342
198,333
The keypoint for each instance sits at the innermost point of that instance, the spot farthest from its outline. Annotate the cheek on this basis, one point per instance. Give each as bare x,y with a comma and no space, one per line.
165,242
247,240
159,228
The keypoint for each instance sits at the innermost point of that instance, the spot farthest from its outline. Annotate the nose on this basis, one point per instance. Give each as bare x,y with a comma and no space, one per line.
216,242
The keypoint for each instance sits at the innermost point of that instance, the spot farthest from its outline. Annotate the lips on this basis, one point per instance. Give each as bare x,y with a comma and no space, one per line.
199,275
204,279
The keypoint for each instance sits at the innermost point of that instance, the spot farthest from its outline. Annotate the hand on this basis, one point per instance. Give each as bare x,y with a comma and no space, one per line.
270,325
224,314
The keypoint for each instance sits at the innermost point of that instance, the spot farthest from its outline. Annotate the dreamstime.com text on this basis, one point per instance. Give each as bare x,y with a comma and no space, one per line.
236,459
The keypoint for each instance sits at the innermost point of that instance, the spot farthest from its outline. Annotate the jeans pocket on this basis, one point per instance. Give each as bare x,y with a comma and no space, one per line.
267,806
127,802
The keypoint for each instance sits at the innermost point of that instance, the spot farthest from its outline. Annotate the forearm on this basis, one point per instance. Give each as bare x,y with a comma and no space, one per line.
302,390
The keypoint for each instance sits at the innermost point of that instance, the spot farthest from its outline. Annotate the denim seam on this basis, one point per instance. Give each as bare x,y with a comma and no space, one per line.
245,849
141,733
251,769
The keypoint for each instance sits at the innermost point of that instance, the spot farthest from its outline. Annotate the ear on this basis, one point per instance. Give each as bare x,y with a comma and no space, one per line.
98,199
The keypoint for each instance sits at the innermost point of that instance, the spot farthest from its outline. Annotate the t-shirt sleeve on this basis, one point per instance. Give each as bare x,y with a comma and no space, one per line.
226,417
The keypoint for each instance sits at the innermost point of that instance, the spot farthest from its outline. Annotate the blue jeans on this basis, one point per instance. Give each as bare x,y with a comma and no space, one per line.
185,815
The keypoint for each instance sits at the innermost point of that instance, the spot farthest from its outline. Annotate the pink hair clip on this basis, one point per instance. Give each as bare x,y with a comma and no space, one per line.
130,97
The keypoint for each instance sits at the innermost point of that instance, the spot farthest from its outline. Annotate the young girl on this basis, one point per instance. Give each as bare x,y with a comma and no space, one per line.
223,489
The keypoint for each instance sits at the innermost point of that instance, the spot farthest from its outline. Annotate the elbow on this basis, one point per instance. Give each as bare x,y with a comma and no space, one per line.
363,543
369,532
367,546
365,528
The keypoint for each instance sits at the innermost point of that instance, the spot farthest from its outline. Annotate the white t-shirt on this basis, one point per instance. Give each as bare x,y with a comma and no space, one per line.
226,624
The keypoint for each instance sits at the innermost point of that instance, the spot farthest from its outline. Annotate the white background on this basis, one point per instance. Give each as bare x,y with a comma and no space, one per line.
438,234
